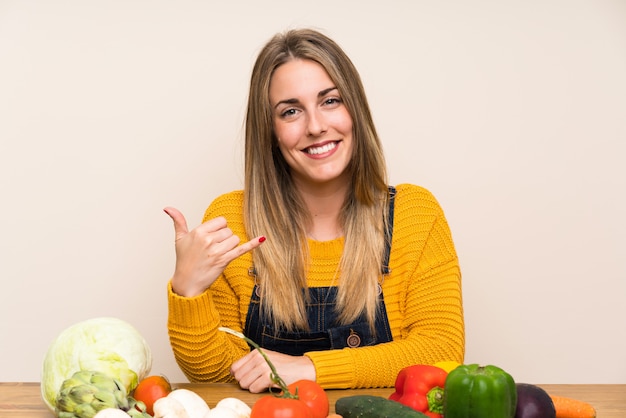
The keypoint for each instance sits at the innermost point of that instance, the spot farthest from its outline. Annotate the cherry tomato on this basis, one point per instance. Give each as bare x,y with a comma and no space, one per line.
150,389
275,407
313,395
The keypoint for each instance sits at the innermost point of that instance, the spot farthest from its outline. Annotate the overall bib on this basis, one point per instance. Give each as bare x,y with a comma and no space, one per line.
323,333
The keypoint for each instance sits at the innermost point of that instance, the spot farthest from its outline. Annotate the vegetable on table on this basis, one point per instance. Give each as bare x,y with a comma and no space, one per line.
373,407
421,387
294,401
87,393
150,389
193,403
185,403
474,391
447,365
572,408
169,408
111,413
275,407
181,403
313,395
223,412
107,345
533,402
229,409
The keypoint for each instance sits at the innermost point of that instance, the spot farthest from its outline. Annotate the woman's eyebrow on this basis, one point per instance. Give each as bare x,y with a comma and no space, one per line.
286,101
326,91
293,101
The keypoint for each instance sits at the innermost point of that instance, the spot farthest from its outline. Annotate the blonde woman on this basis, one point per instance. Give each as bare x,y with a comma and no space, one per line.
341,278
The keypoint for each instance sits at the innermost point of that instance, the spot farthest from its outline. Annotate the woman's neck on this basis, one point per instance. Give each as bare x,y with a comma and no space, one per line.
324,205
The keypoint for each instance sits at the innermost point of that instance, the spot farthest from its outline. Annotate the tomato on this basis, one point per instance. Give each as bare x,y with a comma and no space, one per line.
313,395
276,407
150,389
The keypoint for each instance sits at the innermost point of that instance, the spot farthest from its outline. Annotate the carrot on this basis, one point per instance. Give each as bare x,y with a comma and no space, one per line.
572,408
334,416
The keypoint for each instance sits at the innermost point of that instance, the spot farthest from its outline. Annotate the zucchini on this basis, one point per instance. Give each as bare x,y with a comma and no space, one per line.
368,406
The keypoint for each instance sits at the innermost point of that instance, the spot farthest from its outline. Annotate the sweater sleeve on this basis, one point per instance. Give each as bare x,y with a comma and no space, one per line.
203,352
422,297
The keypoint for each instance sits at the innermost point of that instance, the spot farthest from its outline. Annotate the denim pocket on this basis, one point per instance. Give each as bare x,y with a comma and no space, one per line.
294,343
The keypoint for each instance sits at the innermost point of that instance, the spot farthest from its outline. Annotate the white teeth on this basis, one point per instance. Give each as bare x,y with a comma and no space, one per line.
322,149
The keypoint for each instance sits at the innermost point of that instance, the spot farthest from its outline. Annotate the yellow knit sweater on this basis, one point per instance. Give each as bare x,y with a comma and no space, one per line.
422,296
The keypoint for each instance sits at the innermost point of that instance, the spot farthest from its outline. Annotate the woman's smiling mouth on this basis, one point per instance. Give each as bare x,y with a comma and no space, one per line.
321,149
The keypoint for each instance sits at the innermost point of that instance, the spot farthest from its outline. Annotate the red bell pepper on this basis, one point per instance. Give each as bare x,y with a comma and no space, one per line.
421,387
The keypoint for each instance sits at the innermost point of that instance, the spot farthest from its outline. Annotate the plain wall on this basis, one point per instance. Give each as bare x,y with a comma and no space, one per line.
512,113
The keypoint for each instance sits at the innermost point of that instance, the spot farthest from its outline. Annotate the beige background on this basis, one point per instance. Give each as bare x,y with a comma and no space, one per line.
512,113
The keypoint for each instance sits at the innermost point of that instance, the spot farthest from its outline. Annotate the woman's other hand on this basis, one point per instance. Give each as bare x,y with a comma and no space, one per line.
203,253
253,373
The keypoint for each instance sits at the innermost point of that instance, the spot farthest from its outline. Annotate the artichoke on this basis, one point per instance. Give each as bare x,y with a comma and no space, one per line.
87,392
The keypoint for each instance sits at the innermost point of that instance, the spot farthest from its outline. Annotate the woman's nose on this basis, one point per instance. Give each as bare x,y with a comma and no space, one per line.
316,125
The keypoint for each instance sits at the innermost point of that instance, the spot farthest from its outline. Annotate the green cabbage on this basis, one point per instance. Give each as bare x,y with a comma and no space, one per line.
107,345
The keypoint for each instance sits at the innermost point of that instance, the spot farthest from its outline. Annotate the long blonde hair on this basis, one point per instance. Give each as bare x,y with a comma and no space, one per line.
274,208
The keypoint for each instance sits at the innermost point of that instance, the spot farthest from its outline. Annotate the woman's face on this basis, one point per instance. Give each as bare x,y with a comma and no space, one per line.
311,122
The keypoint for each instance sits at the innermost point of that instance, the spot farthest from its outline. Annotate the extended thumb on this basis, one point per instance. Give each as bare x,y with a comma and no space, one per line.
180,223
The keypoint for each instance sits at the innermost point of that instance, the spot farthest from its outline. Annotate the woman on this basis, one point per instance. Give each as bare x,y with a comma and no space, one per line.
345,280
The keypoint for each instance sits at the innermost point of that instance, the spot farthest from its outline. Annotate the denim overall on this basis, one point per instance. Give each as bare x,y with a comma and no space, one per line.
323,333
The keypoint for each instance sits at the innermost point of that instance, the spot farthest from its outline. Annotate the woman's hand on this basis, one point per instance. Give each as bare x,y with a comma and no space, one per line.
253,373
203,253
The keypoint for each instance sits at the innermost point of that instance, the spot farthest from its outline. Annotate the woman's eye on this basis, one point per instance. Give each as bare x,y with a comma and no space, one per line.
332,101
287,113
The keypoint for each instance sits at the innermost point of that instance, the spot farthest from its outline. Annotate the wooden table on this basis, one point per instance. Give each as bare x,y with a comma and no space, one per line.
24,399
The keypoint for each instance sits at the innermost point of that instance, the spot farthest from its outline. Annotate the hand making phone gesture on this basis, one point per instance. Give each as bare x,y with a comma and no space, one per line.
203,253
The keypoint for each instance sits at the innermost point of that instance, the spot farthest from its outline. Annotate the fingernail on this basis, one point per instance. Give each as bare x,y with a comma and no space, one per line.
261,239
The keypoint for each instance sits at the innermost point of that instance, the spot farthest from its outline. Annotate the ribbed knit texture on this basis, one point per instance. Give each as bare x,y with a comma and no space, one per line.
422,296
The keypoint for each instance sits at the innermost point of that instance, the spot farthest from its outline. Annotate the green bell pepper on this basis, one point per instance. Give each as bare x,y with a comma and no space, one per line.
474,391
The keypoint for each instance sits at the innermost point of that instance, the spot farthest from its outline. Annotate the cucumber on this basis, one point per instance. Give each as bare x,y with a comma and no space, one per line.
368,406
